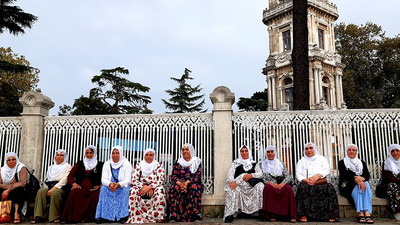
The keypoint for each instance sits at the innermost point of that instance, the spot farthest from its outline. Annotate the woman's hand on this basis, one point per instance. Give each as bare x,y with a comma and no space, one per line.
114,186
50,191
362,186
280,186
247,177
273,185
6,193
311,181
96,187
359,179
233,185
146,190
76,186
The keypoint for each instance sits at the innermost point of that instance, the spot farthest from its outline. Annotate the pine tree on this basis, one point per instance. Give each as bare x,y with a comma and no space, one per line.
183,98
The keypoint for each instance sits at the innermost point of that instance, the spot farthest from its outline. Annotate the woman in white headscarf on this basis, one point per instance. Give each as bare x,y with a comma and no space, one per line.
85,182
113,202
244,187
147,200
186,187
316,197
278,196
354,185
391,179
13,180
54,191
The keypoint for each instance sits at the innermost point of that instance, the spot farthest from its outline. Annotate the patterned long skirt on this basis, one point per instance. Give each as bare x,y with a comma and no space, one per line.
318,202
393,192
146,210
185,207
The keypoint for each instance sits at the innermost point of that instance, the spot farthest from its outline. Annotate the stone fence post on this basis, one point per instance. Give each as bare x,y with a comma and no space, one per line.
36,107
222,99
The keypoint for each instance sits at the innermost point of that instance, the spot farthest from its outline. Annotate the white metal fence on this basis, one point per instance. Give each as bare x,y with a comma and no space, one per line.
371,130
10,136
165,133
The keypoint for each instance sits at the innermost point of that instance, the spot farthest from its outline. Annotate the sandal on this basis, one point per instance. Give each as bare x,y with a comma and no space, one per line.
303,219
361,219
369,220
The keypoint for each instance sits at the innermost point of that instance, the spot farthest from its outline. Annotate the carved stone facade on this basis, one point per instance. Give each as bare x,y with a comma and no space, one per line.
326,91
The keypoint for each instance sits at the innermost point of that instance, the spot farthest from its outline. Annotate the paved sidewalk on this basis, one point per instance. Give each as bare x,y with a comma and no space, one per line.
215,221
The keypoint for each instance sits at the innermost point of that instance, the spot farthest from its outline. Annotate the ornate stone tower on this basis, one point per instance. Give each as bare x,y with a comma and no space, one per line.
326,90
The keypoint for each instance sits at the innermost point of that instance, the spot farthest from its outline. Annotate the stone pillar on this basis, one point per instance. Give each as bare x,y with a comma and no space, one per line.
316,86
36,107
222,99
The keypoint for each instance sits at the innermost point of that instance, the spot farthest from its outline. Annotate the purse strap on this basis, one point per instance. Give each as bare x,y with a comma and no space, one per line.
113,174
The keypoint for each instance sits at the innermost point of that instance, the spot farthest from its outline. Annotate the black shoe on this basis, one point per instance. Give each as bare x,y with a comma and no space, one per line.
228,219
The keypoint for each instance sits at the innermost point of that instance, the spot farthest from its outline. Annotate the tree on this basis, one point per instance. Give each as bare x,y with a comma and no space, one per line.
13,18
257,102
183,98
14,82
113,95
371,77
301,92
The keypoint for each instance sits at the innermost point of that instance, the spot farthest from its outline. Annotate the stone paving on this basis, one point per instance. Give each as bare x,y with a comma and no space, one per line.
215,221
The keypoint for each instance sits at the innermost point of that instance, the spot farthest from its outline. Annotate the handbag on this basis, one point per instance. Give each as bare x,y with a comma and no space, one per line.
381,190
254,181
321,181
5,210
32,187
50,184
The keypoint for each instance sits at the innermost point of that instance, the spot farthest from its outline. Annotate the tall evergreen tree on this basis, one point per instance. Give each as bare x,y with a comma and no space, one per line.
183,98
114,94
13,18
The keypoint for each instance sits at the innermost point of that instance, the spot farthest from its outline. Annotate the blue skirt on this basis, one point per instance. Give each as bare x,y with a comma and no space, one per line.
113,205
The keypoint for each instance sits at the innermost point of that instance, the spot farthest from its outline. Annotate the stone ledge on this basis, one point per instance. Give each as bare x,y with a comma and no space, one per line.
375,201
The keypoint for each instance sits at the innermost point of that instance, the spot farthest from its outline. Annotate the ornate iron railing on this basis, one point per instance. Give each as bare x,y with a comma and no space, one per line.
165,133
10,136
371,130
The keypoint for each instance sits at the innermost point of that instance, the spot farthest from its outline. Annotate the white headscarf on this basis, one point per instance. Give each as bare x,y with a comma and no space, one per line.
247,163
7,173
274,166
145,167
354,164
312,165
90,163
116,165
194,161
56,169
391,163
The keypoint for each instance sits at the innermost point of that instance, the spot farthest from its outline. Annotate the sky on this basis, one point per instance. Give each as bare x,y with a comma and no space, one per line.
223,42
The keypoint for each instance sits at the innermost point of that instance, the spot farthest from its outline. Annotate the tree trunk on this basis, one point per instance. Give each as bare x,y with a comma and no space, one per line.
301,87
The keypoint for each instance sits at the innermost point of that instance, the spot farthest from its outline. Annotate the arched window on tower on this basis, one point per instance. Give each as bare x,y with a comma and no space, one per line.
288,92
325,90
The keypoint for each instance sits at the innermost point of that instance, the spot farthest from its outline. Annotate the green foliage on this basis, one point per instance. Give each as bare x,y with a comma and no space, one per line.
13,18
371,77
257,102
16,77
183,98
113,95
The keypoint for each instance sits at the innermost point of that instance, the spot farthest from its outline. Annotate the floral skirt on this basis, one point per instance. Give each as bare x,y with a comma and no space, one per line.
393,192
318,202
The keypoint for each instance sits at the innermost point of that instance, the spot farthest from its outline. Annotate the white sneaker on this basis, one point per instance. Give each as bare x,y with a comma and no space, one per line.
397,216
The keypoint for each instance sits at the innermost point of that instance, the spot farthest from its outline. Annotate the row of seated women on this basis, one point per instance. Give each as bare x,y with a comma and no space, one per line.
316,198
110,191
